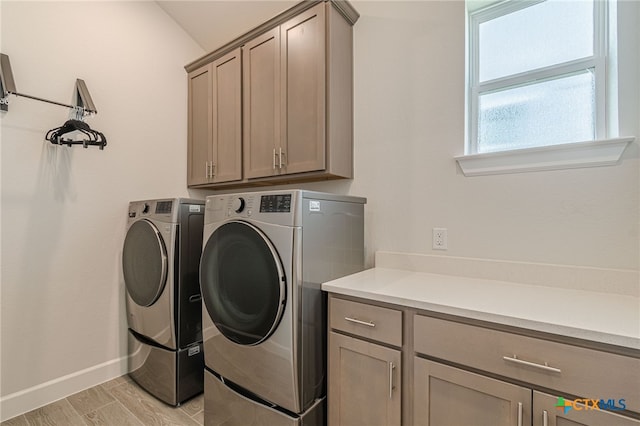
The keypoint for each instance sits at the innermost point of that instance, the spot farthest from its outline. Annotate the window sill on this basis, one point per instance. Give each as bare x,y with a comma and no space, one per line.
556,157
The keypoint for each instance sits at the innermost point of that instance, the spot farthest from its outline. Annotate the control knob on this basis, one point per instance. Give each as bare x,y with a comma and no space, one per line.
238,205
145,208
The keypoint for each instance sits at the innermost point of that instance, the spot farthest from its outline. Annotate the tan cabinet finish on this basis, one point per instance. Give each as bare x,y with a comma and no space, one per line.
297,101
551,365
459,371
364,383
303,56
547,414
365,378
199,126
288,93
448,396
215,122
261,77
373,322
284,94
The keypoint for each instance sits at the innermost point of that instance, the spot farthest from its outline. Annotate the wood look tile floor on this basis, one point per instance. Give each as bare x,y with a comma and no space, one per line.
119,402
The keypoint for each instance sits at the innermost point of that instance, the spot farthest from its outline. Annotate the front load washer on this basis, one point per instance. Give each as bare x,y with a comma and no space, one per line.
265,256
160,261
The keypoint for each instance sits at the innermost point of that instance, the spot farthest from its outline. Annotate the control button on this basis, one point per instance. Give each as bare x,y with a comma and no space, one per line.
238,204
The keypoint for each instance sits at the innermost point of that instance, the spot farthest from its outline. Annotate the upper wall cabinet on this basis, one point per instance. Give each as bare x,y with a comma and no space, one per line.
214,149
284,98
297,101
261,78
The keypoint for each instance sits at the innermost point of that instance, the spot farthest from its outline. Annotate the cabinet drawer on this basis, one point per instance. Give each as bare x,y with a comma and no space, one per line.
566,368
372,322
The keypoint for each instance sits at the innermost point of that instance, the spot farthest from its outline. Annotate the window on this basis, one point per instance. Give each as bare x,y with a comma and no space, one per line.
536,75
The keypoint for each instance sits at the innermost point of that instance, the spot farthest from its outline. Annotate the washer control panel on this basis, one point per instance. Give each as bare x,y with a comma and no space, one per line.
274,207
240,206
275,203
243,205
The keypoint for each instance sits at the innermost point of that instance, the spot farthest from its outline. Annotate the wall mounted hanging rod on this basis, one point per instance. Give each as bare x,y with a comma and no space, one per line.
42,100
8,87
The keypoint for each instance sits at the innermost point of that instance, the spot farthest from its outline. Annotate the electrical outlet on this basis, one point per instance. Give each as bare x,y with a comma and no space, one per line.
439,238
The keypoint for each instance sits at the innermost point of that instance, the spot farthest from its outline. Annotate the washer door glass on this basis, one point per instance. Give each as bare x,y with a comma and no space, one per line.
243,284
144,263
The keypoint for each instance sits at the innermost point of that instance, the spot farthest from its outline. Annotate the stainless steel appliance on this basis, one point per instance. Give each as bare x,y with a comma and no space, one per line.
265,255
160,262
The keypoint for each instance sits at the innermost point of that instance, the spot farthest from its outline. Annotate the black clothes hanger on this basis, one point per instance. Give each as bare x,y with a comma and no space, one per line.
92,137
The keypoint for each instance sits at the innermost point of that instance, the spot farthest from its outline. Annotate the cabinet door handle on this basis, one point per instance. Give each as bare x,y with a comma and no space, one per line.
544,366
206,170
274,158
545,418
213,168
519,413
391,368
357,321
281,163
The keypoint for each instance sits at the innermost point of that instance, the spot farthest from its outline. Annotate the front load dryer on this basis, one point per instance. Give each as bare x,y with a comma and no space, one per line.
265,256
160,261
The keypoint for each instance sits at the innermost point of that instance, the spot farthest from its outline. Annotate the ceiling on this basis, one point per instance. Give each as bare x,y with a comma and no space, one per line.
214,23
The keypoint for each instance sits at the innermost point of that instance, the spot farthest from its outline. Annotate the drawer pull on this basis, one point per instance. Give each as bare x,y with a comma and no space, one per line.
357,321
545,418
544,366
519,413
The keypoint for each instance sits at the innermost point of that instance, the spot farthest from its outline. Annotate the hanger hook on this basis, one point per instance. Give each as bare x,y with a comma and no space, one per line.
78,113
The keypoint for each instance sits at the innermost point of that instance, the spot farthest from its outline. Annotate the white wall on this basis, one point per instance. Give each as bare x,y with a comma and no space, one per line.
64,209
409,124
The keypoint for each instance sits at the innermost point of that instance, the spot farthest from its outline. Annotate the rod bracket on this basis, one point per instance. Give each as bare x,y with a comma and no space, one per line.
8,87
7,83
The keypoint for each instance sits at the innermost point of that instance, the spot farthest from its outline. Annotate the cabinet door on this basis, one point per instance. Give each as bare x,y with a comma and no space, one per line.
448,396
261,83
364,383
304,95
226,118
546,412
199,126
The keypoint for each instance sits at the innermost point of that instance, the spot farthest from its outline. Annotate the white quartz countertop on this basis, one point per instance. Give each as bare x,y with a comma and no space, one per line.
589,315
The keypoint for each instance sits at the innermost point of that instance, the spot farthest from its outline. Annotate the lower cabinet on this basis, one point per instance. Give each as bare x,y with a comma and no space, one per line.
364,383
459,372
448,396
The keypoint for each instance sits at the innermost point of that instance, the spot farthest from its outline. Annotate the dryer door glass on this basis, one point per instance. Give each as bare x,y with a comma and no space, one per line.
144,263
243,284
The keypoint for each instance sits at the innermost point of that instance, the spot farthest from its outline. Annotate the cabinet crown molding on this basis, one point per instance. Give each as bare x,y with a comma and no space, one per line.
343,6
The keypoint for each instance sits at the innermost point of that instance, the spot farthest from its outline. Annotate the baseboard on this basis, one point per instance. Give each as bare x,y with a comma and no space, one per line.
45,393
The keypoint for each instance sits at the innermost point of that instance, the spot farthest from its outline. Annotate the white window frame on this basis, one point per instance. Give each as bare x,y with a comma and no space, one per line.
575,154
